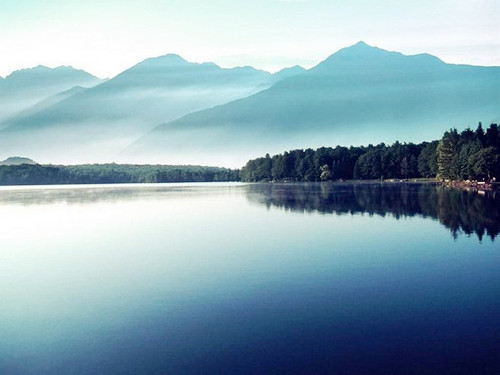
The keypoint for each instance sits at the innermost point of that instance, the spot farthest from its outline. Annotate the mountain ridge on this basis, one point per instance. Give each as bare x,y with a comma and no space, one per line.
23,88
136,100
166,108
349,89
44,70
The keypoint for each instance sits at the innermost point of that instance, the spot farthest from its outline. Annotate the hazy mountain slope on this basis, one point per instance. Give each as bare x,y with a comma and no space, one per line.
95,124
24,88
288,72
359,95
46,103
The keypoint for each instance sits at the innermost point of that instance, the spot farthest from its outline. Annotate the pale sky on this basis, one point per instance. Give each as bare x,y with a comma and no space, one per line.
106,37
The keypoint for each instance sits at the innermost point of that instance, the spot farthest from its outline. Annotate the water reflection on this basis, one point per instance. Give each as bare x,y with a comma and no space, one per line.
202,279
463,212
89,194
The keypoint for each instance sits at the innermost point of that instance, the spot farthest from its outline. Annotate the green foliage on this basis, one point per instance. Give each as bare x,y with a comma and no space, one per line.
27,174
339,163
447,156
322,164
485,162
370,165
469,155
456,156
30,174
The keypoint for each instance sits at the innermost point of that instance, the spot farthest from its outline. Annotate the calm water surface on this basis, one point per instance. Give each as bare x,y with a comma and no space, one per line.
250,279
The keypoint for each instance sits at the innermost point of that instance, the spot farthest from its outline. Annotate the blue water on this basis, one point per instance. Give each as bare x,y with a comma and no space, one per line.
249,279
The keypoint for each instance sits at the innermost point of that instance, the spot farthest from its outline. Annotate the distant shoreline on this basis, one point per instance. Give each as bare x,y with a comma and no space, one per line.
473,185
85,174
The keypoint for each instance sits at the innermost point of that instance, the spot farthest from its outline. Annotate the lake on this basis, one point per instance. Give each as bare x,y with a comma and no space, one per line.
249,279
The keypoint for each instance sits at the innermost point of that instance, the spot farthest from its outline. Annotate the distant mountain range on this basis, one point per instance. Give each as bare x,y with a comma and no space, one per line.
96,123
167,110
24,88
359,95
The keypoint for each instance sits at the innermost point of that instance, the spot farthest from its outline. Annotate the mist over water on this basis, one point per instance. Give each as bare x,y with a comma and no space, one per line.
258,278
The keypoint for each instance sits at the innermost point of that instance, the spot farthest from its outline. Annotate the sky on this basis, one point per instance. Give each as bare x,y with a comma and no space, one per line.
106,37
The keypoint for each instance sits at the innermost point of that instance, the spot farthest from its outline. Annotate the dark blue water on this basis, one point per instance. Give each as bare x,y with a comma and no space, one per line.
249,279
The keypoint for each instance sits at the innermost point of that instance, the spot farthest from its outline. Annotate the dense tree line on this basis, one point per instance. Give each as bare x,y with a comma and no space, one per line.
35,174
468,155
457,156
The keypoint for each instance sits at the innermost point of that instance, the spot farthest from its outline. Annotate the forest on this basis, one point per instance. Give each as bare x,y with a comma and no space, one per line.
35,174
473,155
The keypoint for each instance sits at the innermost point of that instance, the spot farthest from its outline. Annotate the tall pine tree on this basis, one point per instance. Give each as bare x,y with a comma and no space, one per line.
447,156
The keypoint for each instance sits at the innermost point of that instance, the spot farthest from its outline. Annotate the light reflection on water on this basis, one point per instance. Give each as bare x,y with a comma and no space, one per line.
248,279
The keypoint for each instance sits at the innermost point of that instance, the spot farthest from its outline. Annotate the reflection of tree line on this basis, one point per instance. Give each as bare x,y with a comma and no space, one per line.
459,210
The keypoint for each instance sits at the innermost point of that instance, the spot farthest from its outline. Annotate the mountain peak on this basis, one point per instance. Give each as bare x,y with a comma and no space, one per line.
168,59
42,70
288,72
34,70
172,57
361,44
43,74
362,55
361,48
156,63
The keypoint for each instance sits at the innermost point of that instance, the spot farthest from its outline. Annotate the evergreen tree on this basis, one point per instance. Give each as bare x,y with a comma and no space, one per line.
492,138
447,155
427,160
485,162
479,133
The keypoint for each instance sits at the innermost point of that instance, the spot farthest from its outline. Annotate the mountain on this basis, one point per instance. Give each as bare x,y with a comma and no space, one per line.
17,160
24,88
95,124
288,72
47,102
359,95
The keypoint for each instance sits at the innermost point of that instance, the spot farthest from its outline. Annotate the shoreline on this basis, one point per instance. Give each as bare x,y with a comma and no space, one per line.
473,185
